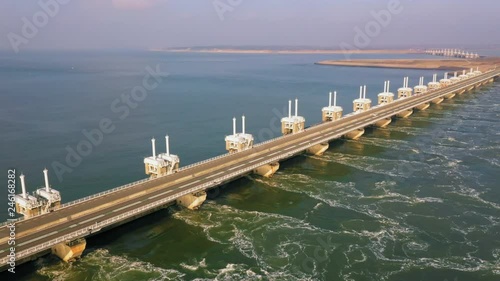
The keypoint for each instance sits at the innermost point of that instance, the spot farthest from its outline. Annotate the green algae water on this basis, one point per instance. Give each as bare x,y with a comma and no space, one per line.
418,200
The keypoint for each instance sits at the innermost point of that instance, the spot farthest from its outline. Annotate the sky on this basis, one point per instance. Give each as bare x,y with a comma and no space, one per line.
146,24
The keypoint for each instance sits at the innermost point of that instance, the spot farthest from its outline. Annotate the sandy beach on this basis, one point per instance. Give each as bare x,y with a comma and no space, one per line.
446,64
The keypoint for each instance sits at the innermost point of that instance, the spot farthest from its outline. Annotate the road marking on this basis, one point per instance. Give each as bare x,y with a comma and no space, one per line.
157,195
119,209
214,175
288,148
38,238
82,222
237,166
255,160
188,184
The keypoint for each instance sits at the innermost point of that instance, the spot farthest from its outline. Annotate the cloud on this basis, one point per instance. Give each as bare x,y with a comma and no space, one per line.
135,4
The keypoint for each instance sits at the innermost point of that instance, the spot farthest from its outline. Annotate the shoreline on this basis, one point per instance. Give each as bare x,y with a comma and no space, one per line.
304,51
421,64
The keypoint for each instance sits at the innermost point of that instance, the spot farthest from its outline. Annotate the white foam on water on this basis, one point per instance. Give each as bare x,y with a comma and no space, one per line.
473,194
277,243
108,267
414,131
195,266
492,161
382,166
385,143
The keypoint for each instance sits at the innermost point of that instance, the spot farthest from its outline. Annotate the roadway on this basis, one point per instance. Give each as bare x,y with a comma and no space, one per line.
40,229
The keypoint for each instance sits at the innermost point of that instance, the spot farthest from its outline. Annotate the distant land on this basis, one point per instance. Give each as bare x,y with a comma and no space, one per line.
295,50
256,49
435,63
445,64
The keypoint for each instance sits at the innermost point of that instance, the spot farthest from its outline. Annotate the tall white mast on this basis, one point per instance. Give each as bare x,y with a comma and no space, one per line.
23,186
167,144
46,176
154,147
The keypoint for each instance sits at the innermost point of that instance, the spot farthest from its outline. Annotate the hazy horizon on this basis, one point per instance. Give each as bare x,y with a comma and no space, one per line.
147,24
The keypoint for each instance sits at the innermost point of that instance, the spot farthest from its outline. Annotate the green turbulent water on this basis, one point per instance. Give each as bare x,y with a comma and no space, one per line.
418,200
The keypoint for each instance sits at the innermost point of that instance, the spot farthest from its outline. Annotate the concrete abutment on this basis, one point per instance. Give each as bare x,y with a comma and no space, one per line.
70,250
318,149
192,201
267,170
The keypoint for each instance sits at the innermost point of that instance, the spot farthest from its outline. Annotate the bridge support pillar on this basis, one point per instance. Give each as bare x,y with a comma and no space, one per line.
318,149
450,96
354,135
267,170
383,123
69,251
405,113
192,201
423,106
437,100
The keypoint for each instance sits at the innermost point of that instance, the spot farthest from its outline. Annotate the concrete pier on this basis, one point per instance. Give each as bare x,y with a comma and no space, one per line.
71,250
318,149
450,96
192,201
383,122
437,100
356,134
405,113
267,170
423,106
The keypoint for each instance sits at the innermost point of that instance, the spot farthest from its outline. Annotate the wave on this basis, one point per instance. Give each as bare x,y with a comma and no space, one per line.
278,244
100,264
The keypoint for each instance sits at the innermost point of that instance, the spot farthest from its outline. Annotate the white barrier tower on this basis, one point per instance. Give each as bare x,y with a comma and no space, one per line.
445,82
361,104
420,88
463,76
292,124
26,204
239,141
49,197
331,113
405,91
454,79
385,97
478,72
163,163
434,85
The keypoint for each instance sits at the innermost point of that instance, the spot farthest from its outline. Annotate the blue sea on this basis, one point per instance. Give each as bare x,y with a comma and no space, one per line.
418,200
